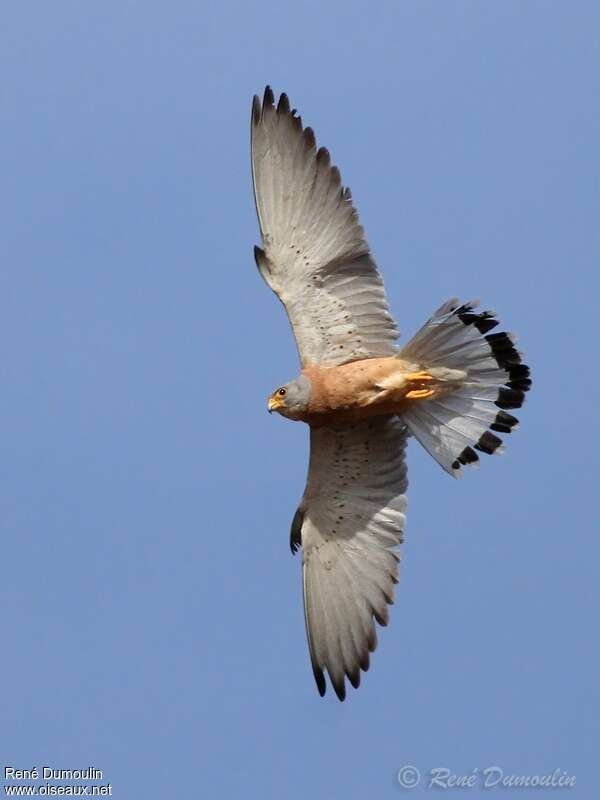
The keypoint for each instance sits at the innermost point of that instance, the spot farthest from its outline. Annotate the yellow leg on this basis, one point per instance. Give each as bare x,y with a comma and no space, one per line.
418,376
419,394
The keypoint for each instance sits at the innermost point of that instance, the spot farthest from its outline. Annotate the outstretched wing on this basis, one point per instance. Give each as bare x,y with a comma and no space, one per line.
350,519
315,256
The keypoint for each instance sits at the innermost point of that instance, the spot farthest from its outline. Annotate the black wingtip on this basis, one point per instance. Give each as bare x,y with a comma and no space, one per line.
255,109
296,531
372,639
259,255
382,615
365,661
309,138
262,262
320,680
268,98
339,687
354,678
283,106
323,157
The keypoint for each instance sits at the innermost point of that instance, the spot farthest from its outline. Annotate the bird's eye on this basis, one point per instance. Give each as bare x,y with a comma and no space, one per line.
282,392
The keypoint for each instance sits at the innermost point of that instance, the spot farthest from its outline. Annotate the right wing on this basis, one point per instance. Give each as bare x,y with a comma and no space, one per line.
315,256
350,519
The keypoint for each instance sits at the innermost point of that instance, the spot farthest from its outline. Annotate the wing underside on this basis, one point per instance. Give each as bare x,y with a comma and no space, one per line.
315,255
349,523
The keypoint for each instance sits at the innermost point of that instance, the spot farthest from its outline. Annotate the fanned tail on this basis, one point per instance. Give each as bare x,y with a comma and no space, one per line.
453,426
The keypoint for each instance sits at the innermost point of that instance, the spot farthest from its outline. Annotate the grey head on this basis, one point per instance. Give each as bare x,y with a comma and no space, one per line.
291,400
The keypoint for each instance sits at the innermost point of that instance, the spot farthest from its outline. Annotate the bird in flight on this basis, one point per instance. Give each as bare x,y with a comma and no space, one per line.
452,387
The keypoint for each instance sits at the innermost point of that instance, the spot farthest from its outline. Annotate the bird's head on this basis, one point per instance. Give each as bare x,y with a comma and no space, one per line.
291,400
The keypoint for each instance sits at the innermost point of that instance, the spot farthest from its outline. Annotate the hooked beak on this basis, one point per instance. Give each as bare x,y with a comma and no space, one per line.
273,404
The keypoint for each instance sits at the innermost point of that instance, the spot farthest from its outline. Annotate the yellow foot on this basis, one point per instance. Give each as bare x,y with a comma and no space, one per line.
418,376
419,394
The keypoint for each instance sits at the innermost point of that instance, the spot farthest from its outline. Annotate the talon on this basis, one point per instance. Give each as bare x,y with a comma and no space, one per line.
418,376
419,394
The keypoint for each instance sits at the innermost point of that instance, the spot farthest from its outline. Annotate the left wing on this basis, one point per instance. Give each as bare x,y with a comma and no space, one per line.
315,256
350,519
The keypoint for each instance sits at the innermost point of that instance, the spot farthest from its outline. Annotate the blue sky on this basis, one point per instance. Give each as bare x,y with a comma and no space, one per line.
151,611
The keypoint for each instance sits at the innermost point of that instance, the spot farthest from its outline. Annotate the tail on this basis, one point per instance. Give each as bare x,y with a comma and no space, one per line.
453,426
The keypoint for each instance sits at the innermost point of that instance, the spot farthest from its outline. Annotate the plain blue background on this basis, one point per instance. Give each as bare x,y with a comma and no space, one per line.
151,611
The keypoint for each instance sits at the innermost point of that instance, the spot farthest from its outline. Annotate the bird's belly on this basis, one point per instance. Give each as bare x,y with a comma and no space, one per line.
366,388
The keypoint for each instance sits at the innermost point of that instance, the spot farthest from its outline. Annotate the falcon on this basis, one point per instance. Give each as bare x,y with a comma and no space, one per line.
452,387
